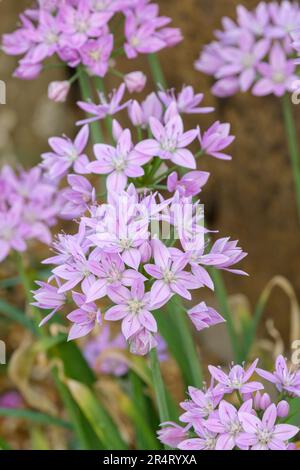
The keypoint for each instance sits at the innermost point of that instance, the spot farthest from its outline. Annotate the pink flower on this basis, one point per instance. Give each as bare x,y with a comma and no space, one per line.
100,346
201,405
171,434
265,434
106,107
133,308
284,378
229,249
203,316
11,399
215,139
47,297
84,318
140,114
78,23
283,409
277,76
190,184
135,81
170,275
12,234
187,101
110,271
204,440
169,142
66,154
78,197
58,91
95,54
244,59
237,379
141,38
142,342
228,425
120,162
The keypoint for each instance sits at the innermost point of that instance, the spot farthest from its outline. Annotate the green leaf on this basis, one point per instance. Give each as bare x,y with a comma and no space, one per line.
34,416
85,435
75,365
4,445
294,414
14,314
141,411
97,416
173,324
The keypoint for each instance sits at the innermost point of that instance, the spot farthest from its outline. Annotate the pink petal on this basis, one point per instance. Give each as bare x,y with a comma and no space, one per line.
185,158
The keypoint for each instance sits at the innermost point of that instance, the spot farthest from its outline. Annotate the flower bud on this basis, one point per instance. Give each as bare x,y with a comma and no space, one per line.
256,401
283,409
135,81
58,91
265,401
135,113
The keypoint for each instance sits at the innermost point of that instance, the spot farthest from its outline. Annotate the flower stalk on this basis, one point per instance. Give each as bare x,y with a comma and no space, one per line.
291,134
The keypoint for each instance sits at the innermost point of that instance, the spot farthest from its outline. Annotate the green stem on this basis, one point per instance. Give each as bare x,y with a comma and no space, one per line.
108,119
293,144
86,95
225,310
159,387
156,70
188,344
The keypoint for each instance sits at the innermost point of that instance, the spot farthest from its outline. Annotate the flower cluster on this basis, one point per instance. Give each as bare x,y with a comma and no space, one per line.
211,422
255,52
30,205
123,255
106,354
84,32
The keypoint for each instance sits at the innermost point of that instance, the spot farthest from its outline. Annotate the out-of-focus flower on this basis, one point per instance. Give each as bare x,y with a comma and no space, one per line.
255,51
58,91
81,33
203,316
106,107
135,81
190,184
215,139
11,399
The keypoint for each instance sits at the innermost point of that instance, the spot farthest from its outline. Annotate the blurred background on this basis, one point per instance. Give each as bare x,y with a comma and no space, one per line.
250,198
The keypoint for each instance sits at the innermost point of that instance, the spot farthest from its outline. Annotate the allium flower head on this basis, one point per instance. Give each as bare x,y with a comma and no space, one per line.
82,33
213,423
254,52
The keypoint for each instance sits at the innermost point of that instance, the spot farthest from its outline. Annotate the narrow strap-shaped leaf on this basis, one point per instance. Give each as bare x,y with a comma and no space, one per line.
97,416
86,436
14,314
34,416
